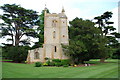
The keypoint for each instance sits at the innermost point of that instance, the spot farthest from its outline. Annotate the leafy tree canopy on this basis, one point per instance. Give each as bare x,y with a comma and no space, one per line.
18,22
86,41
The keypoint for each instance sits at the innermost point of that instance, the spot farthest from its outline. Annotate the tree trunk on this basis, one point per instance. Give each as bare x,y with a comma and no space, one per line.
16,40
17,34
12,40
102,60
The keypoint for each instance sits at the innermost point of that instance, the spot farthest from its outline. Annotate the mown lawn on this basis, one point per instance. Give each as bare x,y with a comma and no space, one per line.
100,70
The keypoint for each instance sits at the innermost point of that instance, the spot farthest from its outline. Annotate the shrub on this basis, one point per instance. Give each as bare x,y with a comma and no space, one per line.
16,53
56,60
51,64
65,62
58,64
25,62
48,62
38,64
71,65
66,65
45,64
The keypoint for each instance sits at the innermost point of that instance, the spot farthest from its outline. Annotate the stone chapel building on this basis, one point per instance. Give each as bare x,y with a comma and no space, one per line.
55,34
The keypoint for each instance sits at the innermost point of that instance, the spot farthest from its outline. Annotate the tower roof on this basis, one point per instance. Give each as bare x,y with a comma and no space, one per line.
63,10
62,14
45,7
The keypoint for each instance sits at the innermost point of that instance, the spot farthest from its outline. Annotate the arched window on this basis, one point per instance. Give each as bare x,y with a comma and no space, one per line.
36,55
54,34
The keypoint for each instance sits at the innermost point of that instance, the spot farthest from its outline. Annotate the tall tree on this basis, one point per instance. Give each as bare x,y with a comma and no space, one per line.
18,22
85,41
104,25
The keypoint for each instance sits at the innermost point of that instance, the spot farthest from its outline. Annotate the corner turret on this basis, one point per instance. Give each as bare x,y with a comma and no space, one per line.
63,11
45,10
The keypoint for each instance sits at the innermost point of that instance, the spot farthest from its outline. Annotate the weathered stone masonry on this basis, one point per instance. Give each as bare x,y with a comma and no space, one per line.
55,34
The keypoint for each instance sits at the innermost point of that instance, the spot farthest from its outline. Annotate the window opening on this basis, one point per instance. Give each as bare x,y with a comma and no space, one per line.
54,34
36,55
55,49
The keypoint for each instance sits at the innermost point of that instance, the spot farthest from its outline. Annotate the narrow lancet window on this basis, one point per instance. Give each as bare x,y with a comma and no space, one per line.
55,49
54,34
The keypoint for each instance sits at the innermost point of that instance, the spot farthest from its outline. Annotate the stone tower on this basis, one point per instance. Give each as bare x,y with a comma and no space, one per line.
55,34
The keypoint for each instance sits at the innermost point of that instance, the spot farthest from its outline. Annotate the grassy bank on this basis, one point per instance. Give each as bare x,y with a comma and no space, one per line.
100,70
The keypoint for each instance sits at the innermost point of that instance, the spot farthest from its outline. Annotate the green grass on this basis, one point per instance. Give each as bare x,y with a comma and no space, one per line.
100,70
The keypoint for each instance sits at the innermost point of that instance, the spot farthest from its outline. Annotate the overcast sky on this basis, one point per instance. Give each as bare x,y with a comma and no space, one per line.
86,9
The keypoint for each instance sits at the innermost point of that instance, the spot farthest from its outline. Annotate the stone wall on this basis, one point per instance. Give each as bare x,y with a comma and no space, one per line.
31,55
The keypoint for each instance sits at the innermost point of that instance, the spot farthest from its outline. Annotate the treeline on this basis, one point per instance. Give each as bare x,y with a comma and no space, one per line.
17,28
87,40
92,40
